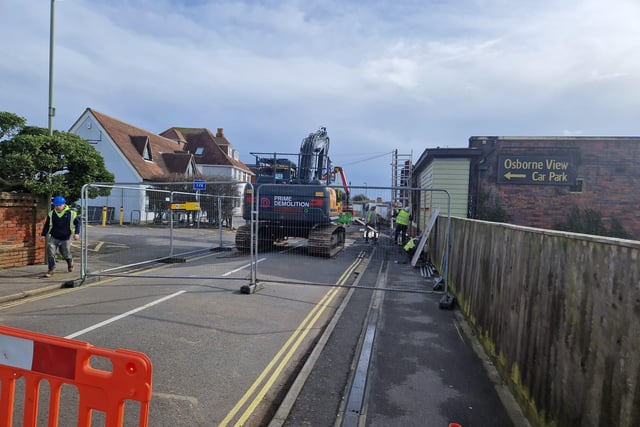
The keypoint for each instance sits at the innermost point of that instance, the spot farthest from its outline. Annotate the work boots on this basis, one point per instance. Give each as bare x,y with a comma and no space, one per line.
69,265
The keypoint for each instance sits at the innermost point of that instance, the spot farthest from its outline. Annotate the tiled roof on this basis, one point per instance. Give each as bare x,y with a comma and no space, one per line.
167,156
214,148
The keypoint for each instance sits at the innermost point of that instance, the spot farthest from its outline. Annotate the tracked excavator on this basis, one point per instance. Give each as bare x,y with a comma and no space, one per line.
294,200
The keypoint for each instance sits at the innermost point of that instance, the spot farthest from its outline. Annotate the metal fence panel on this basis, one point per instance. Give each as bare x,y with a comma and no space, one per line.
140,225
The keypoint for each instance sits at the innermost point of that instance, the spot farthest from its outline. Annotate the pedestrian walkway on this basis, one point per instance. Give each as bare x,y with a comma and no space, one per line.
415,365
22,282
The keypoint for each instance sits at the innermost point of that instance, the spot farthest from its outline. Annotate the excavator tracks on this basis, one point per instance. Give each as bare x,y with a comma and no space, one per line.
326,240
243,238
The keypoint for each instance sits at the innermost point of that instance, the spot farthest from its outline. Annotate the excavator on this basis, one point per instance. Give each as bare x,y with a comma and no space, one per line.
306,206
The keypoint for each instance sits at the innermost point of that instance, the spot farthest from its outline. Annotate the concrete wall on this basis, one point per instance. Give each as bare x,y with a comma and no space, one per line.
559,313
21,219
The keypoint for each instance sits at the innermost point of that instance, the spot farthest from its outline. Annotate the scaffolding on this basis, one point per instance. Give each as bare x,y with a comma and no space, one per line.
401,169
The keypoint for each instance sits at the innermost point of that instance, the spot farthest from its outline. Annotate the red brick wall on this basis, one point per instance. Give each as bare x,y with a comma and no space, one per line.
608,166
21,219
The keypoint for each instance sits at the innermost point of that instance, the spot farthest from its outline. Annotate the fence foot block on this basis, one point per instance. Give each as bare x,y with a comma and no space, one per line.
251,288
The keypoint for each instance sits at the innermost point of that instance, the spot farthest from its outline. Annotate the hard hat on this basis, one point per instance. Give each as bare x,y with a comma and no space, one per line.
406,208
59,201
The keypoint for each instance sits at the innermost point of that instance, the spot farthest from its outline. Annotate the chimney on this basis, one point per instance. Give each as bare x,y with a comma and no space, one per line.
220,133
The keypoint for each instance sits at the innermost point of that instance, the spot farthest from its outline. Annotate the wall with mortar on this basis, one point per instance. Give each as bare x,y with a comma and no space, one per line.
21,219
559,313
606,166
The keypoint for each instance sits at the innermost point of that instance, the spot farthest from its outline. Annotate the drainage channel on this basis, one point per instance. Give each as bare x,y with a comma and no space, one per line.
355,402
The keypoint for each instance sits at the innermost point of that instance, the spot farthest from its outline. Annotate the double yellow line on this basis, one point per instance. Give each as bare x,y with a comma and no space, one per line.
284,355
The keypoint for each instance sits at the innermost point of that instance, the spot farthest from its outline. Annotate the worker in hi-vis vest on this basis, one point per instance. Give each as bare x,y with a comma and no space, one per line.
61,223
403,218
372,225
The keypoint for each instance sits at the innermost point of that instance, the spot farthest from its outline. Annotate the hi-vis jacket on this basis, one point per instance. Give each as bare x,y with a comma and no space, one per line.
62,225
403,217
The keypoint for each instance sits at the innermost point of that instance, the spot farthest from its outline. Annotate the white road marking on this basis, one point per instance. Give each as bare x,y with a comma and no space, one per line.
135,310
123,315
242,267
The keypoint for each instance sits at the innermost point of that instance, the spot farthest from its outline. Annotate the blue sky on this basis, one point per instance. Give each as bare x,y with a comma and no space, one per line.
379,75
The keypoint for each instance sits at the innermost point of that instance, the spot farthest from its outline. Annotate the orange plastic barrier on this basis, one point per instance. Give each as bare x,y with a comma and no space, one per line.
60,361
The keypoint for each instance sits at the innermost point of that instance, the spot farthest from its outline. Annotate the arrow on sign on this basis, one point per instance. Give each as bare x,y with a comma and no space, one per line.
510,175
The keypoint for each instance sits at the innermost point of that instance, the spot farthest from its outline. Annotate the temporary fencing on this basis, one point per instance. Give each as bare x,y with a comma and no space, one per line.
163,222
67,367
167,222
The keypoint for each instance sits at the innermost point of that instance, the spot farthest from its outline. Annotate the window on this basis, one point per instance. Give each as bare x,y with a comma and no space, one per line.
146,154
578,187
199,151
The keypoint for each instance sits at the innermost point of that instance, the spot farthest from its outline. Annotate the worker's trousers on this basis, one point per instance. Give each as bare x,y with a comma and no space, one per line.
52,248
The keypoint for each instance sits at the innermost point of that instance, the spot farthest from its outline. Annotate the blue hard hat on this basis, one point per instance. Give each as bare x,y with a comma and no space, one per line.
59,200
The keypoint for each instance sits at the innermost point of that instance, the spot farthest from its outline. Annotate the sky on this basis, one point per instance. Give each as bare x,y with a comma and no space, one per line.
380,75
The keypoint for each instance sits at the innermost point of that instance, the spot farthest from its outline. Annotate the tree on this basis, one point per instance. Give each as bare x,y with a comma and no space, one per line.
34,162
589,221
10,124
489,209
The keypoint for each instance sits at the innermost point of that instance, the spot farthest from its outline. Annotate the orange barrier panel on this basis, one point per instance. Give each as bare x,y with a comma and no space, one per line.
60,361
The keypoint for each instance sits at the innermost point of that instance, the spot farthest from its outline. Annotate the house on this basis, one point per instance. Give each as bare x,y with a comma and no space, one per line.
214,154
443,169
134,156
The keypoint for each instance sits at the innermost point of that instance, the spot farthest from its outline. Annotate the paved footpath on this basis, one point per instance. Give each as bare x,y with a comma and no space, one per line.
425,367
21,282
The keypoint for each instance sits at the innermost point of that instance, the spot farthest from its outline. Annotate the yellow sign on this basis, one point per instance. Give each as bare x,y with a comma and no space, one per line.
189,206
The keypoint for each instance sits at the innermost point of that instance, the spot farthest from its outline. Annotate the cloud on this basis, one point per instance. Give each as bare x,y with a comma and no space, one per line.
379,75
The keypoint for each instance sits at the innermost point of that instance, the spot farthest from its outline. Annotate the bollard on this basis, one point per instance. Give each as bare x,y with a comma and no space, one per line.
104,215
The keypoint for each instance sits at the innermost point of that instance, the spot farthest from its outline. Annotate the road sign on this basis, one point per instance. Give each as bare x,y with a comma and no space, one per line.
188,206
199,184
541,170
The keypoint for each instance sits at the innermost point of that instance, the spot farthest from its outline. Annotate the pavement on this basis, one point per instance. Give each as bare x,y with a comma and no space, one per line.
22,282
417,364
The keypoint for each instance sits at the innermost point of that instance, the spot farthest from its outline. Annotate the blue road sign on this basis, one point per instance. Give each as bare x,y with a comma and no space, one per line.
199,184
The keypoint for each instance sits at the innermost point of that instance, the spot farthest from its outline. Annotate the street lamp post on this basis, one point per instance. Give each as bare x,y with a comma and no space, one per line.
52,110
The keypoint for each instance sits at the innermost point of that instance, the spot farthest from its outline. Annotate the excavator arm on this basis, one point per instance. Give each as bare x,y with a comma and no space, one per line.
314,162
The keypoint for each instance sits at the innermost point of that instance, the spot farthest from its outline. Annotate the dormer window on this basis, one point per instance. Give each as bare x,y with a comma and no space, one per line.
199,151
146,153
142,144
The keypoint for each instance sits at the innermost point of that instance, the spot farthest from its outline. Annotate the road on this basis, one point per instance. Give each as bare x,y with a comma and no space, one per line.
219,357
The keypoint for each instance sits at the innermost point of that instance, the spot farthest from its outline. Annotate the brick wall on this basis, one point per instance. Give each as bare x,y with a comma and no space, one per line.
21,219
608,167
